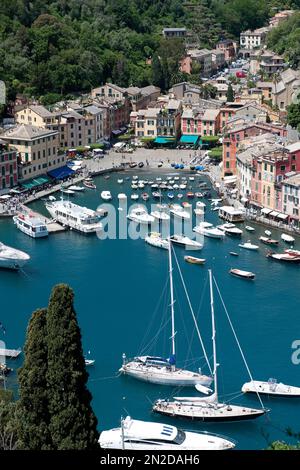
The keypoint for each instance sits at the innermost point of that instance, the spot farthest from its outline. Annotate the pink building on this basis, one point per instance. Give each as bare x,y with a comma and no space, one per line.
8,166
200,122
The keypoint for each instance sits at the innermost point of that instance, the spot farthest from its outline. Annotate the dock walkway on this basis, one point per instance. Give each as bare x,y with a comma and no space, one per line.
53,227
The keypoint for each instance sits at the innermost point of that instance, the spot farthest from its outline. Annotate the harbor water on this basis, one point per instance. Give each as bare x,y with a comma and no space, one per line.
121,294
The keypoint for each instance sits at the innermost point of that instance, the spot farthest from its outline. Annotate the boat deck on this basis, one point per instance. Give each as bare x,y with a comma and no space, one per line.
53,227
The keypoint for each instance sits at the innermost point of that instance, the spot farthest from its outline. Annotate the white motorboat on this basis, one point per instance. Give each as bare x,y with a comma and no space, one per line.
69,192
10,258
134,197
88,183
156,240
106,195
78,189
134,186
268,233
89,362
187,242
144,435
31,225
122,197
191,178
160,215
135,177
140,215
287,238
249,229
286,257
199,212
75,217
208,230
230,229
249,246
141,185
272,388
120,181
180,195
179,212
182,186
268,241
208,408
160,370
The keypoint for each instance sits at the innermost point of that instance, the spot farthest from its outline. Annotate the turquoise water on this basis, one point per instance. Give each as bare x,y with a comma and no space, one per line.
118,285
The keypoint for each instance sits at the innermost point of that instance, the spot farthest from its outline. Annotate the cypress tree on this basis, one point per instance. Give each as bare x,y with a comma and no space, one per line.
158,74
33,432
230,94
73,424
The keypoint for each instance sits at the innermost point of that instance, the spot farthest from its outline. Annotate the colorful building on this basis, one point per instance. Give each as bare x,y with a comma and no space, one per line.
8,166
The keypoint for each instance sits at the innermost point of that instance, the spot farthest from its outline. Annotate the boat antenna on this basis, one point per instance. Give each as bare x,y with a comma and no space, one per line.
122,433
213,327
172,303
238,343
193,314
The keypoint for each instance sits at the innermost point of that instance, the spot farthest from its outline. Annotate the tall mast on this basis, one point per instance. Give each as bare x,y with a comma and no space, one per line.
213,327
172,302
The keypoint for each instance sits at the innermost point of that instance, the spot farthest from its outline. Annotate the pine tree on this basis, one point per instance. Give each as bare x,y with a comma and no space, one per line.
73,424
230,94
33,404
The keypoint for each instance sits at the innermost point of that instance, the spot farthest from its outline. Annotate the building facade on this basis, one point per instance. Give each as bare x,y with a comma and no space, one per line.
8,166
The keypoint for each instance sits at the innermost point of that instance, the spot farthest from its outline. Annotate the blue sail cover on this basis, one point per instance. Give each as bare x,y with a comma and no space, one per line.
172,360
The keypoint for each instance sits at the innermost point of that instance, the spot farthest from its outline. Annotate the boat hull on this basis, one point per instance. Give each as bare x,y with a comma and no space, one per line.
160,377
218,415
13,264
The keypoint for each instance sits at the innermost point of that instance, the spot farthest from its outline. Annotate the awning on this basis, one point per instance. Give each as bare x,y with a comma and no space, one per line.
41,179
282,216
164,140
266,211
31,184
189,139
274,214
60,173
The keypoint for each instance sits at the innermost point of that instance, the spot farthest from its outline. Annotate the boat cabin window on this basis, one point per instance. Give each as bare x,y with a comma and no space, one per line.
180,438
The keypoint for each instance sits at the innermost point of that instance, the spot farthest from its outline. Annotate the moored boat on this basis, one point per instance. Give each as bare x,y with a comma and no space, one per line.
10,258
208,230
241,273
272,388
287,238
31,225
230,229
268,241
106,195
249,228
187,242
88,183
156,240
248,246
194,260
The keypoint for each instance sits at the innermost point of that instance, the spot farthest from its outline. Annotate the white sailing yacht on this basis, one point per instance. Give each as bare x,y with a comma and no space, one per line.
159,370
208,408
143,435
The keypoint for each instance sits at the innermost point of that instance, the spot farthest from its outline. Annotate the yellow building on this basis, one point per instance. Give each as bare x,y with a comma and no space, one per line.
37,149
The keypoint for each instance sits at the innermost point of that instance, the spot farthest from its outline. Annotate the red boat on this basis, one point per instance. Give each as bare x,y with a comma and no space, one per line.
190,194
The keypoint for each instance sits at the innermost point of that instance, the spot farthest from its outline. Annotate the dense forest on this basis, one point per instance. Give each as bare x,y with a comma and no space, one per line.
52,48
286,40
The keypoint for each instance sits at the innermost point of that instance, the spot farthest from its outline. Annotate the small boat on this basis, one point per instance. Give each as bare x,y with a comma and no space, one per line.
88,183
77,188
182,186
145,196
140,165
241,273
250,229
120,181
268,233
132,165
122,196
208,230
156,194
52,198
186,204
179,196
141,185
287,238
144,435
233,253
198,194
69,192
286,257
134,197
31,225
134,186
271,387
199,212
156,240
135,177
230,229
106,195
191,178
89,362
193,260
186,242
268,241
154,186
139,215
248,246
179,212
190,194
106,177
170,195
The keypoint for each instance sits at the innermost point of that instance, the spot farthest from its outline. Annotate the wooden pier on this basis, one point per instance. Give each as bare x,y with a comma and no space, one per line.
11,353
